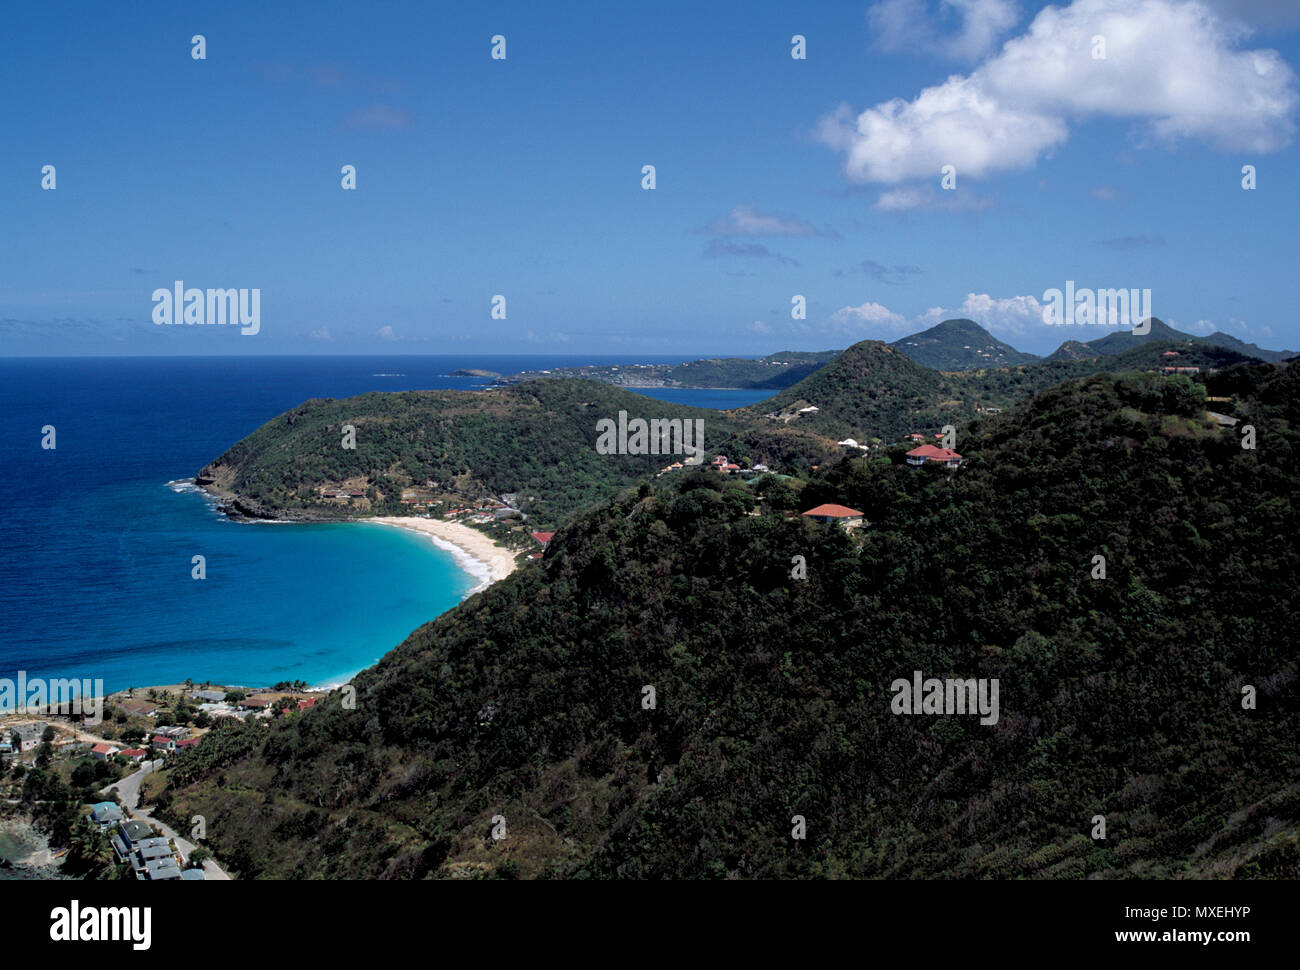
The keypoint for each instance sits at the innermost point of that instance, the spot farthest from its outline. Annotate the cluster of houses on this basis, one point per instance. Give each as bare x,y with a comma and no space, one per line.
163,739
258,704
487,511
151,857
721,464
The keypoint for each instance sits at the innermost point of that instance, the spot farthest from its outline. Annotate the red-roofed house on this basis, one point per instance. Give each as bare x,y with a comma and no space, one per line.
102,752
543,537
188,743
840,514
946,456
914,437
133,754
307,703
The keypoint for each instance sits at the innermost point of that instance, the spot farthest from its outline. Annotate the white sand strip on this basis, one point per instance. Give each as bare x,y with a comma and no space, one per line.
475,553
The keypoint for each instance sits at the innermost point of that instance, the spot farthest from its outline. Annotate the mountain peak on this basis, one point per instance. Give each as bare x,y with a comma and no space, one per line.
960,344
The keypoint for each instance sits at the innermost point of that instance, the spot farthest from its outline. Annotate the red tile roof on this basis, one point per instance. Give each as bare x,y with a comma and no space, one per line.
102,748
307,703
834,511
132,752
933,453
543,537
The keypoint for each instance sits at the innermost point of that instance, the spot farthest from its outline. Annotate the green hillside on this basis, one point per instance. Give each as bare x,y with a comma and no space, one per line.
955,345
536,440
872,390
1118,696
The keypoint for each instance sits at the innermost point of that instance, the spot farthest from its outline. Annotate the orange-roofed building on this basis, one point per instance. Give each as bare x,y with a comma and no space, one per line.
840,514
945,456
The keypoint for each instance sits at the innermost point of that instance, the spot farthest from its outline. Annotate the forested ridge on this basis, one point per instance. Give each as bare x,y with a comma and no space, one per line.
1120,696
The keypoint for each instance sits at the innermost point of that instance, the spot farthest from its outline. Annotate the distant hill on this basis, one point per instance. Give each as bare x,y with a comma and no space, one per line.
1071,350
1118,342
873,390
1119,696
1250,350
962,344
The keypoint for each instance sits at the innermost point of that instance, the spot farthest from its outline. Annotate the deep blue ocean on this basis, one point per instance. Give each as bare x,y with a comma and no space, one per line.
96,547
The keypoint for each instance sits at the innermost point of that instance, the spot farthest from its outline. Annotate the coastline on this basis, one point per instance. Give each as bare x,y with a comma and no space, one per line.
474,552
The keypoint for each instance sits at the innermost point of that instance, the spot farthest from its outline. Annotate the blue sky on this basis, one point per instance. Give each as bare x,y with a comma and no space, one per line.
522,177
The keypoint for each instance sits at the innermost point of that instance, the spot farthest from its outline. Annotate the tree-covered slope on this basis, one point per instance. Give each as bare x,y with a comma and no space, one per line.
873,390
955,345
536,439
1119,696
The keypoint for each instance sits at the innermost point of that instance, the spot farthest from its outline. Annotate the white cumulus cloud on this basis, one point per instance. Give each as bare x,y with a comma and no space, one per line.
1174,68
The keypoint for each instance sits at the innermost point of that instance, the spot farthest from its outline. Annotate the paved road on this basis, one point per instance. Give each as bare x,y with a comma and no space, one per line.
129,791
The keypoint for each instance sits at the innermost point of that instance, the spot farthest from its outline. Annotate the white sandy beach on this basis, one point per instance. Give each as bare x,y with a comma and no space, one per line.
474,551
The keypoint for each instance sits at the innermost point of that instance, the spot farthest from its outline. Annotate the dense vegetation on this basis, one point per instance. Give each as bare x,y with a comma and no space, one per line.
1119,696
873,390
960,345
536,440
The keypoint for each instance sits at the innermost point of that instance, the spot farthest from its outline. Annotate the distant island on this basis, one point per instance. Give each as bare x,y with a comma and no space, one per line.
773,372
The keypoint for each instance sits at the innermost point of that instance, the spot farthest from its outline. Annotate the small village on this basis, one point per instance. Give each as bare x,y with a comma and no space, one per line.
138,733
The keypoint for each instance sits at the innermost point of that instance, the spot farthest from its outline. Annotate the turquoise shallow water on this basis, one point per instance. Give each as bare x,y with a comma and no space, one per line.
96,547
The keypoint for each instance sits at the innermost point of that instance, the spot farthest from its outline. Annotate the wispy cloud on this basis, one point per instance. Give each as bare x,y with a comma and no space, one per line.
892,275
378,116
928,197
1132,242
721,248
746,220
